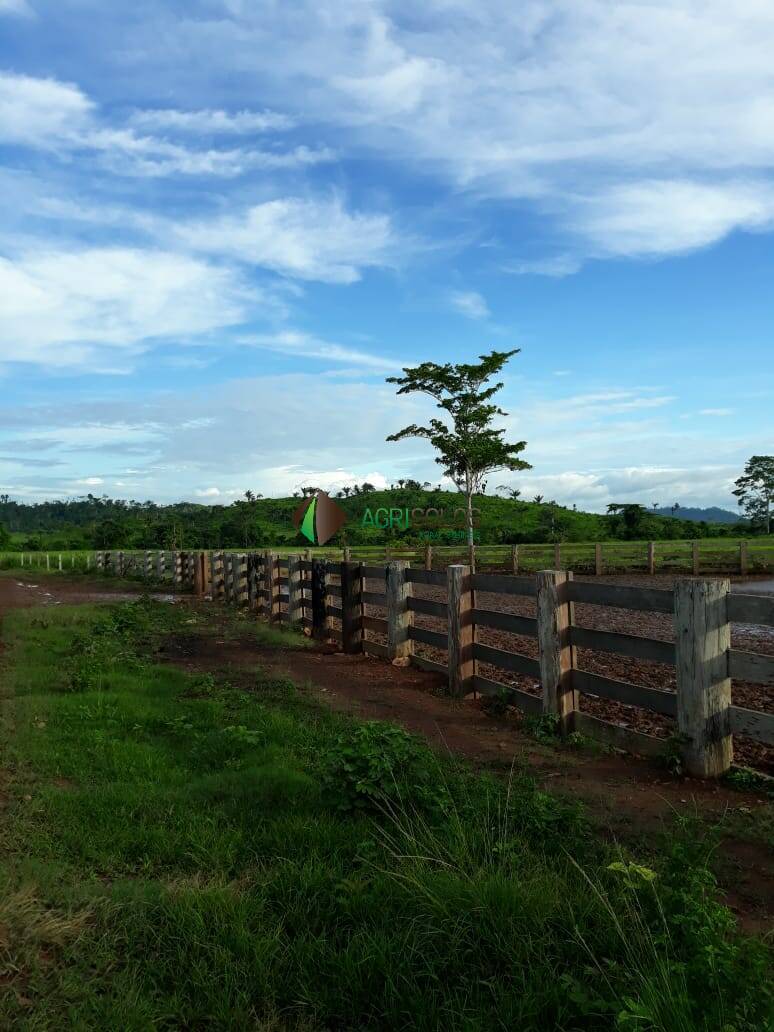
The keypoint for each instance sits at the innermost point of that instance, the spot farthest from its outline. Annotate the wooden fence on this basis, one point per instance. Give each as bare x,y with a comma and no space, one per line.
705,556
336,601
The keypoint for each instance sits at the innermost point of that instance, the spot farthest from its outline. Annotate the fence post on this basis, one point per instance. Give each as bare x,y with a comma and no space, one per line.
217,576
240,580
651,557
319,600
252,581
598,559
120,564
695,557
472,557
161,564
295,591
271,608
177,570
399,616
557,556
460,630
200,573
48,561
428,557
148,566
557,658
743,557
351,607
702,639
514,559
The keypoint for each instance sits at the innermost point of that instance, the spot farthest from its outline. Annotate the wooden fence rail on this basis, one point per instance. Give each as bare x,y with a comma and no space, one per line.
330,598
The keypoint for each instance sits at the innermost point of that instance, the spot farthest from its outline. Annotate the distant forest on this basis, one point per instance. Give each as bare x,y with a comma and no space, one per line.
102,522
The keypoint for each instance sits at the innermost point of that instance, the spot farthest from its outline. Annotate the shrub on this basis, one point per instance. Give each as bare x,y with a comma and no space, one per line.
379,767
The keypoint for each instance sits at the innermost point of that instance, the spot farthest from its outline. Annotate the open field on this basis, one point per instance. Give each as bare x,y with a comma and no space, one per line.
220,850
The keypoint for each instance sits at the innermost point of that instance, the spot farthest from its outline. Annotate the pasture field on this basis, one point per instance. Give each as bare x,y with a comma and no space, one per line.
180,851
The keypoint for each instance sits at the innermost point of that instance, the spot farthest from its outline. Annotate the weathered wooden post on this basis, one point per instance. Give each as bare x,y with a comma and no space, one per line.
252,581
120,564
346,554
216,576
702,641
351,607
319,600
200,574
695,557
399,616
514,559
148,569
651,557
743,558
295,591
228,577
100,561
462,666
242,589
557,556
428,557
60,562
557,659
270,588
177,570
598,567
161,565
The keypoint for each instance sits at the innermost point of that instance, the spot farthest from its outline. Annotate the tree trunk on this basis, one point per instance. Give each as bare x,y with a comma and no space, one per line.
469,500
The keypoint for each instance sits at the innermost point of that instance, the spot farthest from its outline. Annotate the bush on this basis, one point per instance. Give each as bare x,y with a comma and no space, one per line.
379,767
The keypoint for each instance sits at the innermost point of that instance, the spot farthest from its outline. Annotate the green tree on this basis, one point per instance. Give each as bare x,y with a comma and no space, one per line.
5,539
755,490
471,447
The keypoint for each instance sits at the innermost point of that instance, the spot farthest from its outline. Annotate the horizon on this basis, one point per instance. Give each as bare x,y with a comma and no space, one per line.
211,260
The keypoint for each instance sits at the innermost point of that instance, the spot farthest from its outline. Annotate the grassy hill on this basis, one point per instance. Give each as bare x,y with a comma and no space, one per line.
107,523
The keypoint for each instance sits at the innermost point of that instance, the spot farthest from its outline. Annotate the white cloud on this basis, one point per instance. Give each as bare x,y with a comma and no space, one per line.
669,216
40,112
63,308
297,343
469,303
207,492
19,7
212,121
578,107
58,117
307,239
716,412
556,267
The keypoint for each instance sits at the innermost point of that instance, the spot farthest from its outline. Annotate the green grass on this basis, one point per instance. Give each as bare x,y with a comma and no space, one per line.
181,852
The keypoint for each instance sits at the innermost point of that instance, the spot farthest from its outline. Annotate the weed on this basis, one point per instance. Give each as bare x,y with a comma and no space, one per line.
375,766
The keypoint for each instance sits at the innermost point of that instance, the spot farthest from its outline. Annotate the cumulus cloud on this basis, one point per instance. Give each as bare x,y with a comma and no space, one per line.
315,239
63,308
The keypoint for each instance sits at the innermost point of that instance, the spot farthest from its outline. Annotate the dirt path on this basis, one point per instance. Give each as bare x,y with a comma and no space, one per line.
627,798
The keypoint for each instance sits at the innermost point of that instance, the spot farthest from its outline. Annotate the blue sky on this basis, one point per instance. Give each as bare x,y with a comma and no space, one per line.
224,222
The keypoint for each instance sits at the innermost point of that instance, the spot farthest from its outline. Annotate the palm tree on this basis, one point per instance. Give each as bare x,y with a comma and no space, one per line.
538,499
511,492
